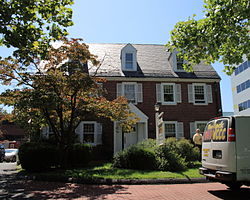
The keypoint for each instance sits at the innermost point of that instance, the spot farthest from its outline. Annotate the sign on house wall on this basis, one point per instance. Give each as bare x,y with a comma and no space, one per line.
159,128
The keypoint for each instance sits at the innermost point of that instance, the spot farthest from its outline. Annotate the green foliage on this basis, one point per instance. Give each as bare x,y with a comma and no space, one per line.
38,156
186,149
29,26
135,157
148,144
173,155
169,159
60,95
80,155
223,35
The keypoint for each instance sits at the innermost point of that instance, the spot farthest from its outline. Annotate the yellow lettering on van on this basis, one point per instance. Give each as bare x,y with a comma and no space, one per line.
219,134
224,134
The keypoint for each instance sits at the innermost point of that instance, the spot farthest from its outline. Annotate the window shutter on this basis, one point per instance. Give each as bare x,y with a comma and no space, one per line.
180,132
99,133
79,132
158,93
190,93
178,93
209,94
139,92
118,90
45,132
192,129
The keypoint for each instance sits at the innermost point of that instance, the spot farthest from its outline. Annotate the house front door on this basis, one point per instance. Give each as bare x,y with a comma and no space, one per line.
132,137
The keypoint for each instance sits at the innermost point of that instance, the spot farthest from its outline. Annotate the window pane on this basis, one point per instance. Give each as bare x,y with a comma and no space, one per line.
237,71
201,126
168,92
245,66
170,130
240,107
243,86
248,84
88,133
199,94
240,68
129,92
245,105
129,61
129,57
238,88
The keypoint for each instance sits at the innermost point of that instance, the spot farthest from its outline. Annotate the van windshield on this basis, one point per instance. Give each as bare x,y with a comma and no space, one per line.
216,131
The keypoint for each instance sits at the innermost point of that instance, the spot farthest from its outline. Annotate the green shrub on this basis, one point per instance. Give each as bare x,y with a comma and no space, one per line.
168,158
147,144
135,157
186,149
80,155
37,156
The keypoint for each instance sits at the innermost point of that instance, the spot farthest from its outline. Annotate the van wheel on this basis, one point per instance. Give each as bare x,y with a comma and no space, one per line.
234,186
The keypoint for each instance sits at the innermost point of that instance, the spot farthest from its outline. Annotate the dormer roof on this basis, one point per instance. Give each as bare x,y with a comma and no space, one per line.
151,61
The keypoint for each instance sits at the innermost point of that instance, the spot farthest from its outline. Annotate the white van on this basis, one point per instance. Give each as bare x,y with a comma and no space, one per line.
226,151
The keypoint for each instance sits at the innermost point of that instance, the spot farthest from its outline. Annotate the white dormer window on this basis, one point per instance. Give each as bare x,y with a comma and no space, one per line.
129,61
179,63
176,62
128,58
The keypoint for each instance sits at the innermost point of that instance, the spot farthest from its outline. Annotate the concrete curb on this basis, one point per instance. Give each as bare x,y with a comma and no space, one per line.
114,181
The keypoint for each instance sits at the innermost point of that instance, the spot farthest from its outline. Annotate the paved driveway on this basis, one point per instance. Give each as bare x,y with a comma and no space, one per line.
11,188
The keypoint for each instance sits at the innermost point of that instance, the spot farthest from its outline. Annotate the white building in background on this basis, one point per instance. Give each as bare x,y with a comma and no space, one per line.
241,88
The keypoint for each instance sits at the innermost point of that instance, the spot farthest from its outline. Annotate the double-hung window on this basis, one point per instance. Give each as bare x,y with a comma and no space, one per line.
173,129
179,63
168,93
131,90
199,94
89,132
129,61
170,129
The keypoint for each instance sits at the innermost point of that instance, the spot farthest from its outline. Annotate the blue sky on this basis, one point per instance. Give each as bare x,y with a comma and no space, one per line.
138,22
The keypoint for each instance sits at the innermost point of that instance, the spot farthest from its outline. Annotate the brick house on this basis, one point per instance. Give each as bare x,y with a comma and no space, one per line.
146,75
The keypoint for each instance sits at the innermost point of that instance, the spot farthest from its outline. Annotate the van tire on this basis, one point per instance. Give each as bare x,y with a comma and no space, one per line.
234,186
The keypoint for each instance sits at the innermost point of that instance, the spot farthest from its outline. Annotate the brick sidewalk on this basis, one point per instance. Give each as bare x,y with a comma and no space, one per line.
53,190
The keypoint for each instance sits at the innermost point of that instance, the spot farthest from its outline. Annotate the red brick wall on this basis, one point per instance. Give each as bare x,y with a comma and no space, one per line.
183,112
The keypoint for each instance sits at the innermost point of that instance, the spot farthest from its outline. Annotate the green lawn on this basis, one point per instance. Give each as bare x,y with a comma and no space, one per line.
106,171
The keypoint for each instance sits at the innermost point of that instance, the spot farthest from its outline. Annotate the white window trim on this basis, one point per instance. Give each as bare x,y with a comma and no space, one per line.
205,93
170,122
95,132
162,94
174,62
130,83
199,122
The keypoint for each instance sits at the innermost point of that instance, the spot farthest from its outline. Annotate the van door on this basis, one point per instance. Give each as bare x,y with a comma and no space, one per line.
217,152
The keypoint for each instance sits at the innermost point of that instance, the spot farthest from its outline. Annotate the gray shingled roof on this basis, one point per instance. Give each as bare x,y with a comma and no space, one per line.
152,61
